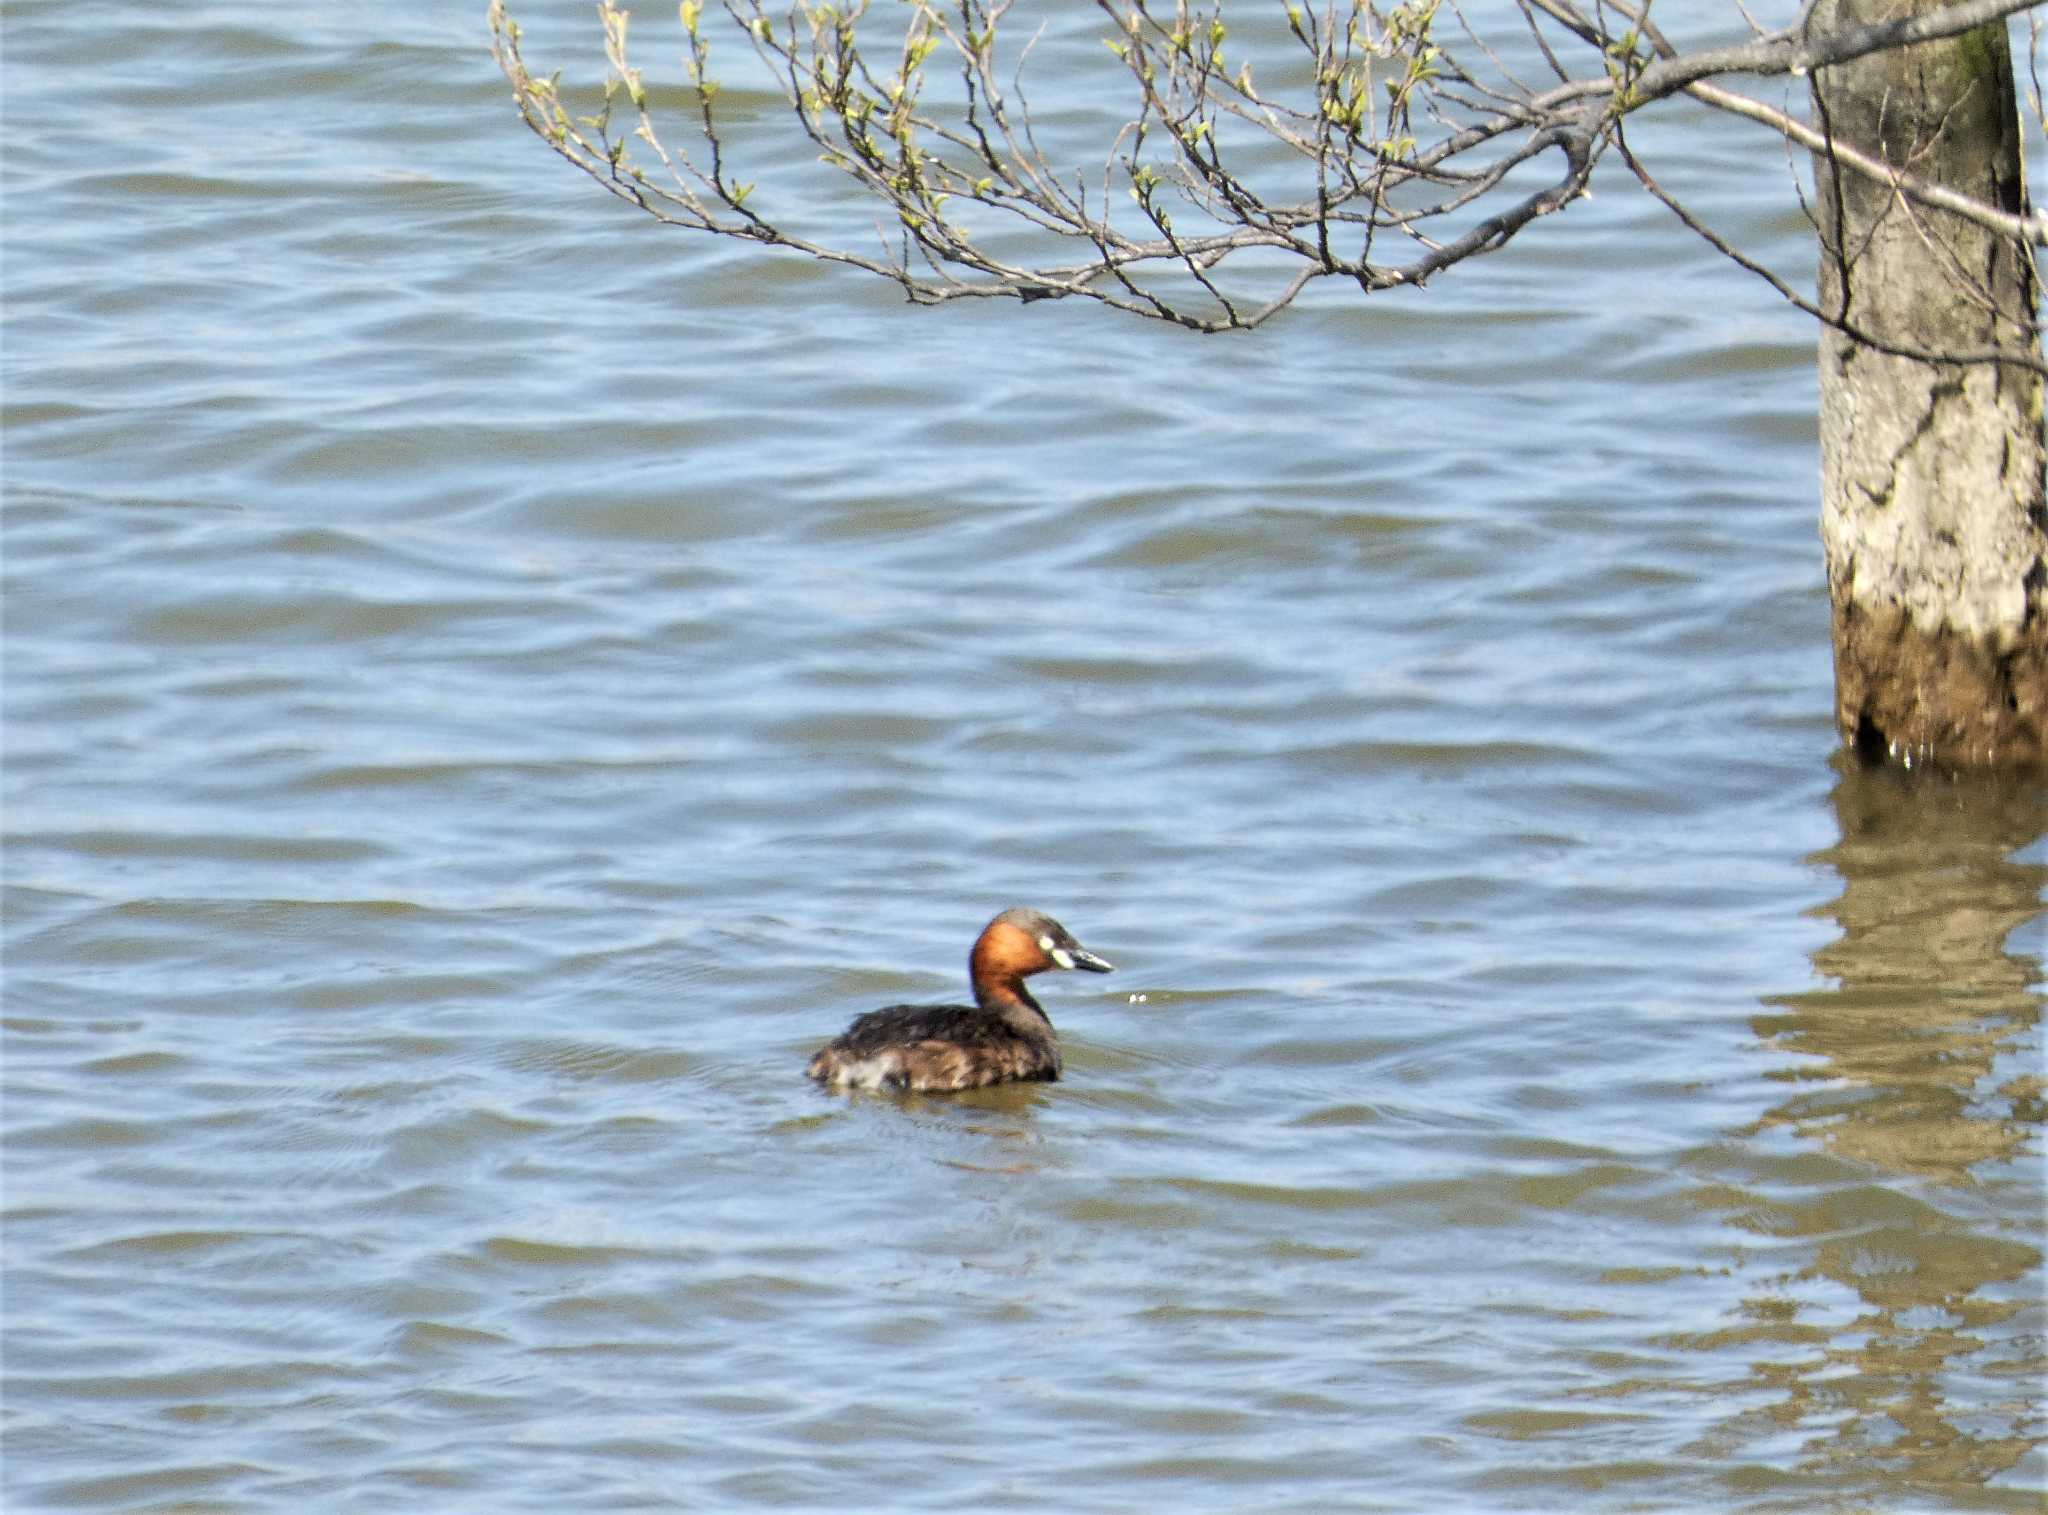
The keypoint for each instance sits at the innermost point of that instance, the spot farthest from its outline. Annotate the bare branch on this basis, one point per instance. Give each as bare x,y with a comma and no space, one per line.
2033,228
1398,130
2024,359
1791,52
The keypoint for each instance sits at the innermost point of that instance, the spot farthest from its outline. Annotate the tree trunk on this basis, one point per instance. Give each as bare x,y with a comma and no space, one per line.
1932,496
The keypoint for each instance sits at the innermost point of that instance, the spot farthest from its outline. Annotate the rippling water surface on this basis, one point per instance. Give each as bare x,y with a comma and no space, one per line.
492,685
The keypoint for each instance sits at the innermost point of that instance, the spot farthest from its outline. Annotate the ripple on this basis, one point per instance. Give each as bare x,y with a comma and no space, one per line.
213,847
324,618
426,1338
525,1252
152,1483
624,1065
87,1134
459,1138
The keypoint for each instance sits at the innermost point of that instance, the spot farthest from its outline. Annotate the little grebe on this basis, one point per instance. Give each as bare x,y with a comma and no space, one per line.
1003,1035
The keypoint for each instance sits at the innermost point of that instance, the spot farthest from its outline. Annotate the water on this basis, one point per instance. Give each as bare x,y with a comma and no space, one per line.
492,685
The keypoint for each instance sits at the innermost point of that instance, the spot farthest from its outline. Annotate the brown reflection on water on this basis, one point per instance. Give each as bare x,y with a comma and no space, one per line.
1925,1081
1932,976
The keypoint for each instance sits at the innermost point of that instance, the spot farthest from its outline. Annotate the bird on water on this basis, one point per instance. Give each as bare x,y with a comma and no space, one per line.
1004,1035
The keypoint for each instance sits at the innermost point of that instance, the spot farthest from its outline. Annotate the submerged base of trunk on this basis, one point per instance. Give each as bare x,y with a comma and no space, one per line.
1939,696
1934,494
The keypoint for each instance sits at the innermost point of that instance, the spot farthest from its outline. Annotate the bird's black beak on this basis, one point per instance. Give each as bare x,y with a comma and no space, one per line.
1088,962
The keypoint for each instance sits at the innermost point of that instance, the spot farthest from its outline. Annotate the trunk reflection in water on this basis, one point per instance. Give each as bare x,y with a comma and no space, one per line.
1919,1074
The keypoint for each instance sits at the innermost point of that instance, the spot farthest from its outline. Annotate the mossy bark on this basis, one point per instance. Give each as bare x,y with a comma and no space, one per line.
1932,490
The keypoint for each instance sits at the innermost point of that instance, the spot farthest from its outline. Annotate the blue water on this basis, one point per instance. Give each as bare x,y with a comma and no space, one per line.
492,684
